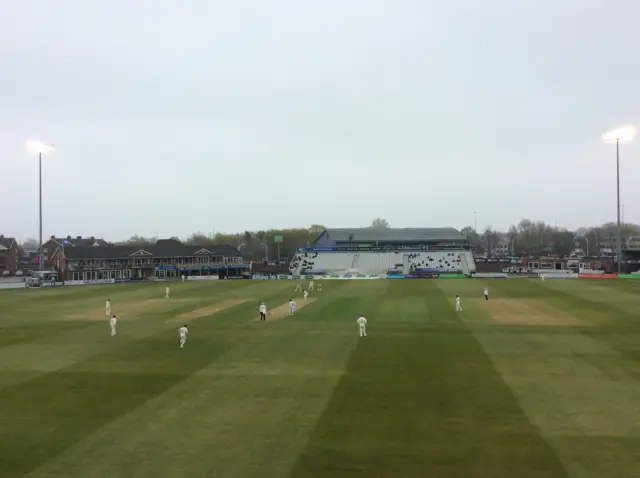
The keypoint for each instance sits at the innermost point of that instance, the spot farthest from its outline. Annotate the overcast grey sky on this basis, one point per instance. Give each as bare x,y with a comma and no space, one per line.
171,117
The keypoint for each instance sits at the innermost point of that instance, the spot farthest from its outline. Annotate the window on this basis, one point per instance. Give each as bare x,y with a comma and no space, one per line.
126,274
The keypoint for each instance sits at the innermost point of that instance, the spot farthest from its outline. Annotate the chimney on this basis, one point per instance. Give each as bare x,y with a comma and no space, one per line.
53,237
68,238
92,239
1,236
79,237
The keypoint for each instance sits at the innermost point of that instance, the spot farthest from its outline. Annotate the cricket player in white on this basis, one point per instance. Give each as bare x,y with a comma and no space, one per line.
362,325
458,306
486,294
305,295
319,287
292,307
183,278
166,292
310,285
263,312
107,308
183,331
113,322
298,287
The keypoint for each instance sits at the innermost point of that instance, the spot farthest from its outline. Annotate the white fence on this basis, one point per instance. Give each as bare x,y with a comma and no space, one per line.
12,285
559,275
90,282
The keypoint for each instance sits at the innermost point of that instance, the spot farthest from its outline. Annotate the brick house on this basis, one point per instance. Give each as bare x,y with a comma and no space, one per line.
9,255
165,259
51,247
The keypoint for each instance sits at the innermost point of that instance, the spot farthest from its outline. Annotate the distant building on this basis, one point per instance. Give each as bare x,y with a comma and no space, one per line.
165,259
411,252
9,256
502,247
54,243
369,237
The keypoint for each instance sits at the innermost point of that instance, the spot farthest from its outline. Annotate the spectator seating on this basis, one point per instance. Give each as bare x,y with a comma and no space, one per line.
380,262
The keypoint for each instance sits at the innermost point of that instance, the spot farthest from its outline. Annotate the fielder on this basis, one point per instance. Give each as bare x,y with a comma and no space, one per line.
263,312
542,277
292,307
319,287
107,308
298,288
166,292
310,285
305,295
362,325
486,294
183,331
458,306
113,322
183,278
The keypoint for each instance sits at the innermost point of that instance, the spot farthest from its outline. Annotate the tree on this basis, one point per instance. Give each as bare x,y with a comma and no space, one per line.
563,243
379,223
474,239
491,238
30,244
227,239
137,240
199,239
465,231
512,234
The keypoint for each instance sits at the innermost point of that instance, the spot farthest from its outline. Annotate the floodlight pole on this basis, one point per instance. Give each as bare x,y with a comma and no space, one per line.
587,241
41,253
619,240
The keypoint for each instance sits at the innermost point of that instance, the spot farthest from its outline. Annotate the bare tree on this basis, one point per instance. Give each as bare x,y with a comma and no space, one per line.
30,244
137,240
199,238
316,229
379,223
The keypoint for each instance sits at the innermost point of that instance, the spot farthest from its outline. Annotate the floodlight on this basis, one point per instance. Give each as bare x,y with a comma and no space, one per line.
620,135
34,146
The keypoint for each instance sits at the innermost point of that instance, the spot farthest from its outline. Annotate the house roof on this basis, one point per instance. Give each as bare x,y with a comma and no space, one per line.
6,242
394,235
162,248
79,241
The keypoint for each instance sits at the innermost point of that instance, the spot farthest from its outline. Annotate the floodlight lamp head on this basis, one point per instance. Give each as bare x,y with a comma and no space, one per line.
622,134
35,146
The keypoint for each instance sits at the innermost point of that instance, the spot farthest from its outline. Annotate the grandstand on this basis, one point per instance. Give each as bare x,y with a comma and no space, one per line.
392,252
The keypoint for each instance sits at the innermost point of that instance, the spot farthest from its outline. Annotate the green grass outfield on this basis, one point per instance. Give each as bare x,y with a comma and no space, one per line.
541,381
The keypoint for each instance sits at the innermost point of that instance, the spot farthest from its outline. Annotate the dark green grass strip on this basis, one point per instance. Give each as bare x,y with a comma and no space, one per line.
42,417
34,331
424,404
